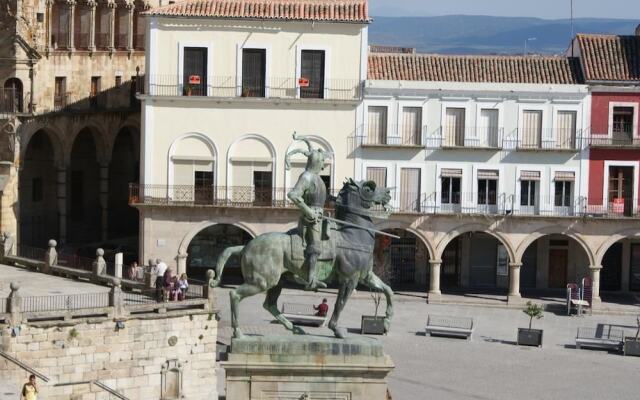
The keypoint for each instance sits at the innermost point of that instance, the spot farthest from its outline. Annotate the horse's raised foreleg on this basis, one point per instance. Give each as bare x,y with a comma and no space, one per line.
235,296
271,305
346,288
373,282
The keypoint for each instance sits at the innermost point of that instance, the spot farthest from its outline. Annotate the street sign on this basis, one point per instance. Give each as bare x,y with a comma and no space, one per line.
194,79
303,82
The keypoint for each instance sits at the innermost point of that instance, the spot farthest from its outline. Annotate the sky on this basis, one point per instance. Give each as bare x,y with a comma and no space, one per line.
548,9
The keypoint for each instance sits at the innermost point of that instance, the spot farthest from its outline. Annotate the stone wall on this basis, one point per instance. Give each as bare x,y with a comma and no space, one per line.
147,359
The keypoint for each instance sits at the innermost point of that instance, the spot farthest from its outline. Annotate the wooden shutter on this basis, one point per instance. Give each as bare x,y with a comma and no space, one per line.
378,175
531,129
254,69
312,68
454,127
411,125
566,131
410,189
377,133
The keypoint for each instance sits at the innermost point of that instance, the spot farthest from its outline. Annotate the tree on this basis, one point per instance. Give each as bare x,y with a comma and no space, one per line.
533,311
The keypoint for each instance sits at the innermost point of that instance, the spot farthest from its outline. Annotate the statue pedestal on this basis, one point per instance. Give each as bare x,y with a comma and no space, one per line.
290,367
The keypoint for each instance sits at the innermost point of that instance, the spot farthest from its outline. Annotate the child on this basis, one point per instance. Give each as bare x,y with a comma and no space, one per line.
183,284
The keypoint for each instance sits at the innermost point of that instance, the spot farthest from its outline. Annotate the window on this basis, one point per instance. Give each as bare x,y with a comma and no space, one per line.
450,186
82,20
622,128
61,23
566,132
312,71
563,194
194,71
454,127
378,175
531,137
36,190
410,189
103,14
60,93
254,70
203,187
377,128
262,182
620,190
411,125
487,187
529,190
121,28
118,80
489,129
95,90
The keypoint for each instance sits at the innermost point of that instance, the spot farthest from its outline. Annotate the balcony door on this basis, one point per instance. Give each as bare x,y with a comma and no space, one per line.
620,190
254,71
531,129
312,72
454,127
194,71
487,191
566,132
623,125
488,129
410,189
411,126
450,195
263,184
377,129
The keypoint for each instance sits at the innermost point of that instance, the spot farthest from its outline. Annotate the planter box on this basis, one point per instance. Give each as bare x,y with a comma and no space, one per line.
631,346
529,337
372,325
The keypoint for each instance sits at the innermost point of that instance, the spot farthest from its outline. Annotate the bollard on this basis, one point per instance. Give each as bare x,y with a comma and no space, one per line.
50,257
99,265
118,262
14,305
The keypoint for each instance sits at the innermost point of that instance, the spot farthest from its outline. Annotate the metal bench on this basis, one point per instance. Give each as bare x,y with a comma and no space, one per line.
449,326
601,338
302,314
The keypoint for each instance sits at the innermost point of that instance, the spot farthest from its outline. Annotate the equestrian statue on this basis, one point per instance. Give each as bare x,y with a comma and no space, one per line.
321,250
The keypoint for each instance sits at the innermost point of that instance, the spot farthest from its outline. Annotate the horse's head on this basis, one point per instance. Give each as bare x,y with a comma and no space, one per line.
363,195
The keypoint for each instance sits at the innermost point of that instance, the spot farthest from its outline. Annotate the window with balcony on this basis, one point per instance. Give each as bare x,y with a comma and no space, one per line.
623,121
139,29
563,189
121,28
411,126
103,39
82,20
60,93
203,186
378,175
620,190
410,189
566,130
488,131
487,190
312,74
263,185
531,137
194,71
450,184
454,127
529,191
254,71
60,28
377,125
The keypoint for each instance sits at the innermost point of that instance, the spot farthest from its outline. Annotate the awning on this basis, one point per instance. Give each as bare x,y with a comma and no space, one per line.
529,175
451,173
488,174
565,176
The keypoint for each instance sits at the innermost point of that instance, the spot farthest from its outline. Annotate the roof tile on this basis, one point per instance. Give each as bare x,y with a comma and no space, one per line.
610,57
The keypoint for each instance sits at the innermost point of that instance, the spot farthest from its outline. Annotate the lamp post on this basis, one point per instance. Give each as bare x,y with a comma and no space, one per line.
526,43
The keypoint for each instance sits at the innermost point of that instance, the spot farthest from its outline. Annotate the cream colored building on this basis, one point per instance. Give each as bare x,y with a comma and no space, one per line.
225,90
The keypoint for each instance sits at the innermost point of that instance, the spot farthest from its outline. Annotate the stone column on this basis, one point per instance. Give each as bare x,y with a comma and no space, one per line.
181,261
595,278
118,265
131,8
72,17
514,297
116,299
92,25
104,201
50,257
14,305
112,25
435,295
62,204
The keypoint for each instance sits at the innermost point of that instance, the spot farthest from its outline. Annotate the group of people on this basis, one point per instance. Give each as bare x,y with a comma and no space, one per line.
170,287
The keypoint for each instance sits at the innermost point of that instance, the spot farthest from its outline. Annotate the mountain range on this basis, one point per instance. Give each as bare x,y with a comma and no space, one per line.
474,34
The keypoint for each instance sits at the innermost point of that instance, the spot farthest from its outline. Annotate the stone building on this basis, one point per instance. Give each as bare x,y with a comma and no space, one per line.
70,120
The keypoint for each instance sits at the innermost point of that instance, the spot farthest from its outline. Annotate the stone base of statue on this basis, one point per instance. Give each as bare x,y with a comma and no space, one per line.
290,367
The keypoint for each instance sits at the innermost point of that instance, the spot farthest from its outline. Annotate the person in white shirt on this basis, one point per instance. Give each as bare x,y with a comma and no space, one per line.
161,268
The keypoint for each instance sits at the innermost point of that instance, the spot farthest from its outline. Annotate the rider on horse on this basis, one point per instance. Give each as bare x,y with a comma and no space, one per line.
309,195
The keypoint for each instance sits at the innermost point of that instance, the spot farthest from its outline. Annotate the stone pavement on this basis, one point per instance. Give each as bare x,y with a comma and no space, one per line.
37,284
489,367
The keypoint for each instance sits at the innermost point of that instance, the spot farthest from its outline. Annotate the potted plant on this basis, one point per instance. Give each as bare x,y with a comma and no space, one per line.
187,89
374,324
528,336
632,344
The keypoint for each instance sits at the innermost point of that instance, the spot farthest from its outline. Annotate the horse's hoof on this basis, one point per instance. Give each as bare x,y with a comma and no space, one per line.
237,334
340,333
387,325
298,331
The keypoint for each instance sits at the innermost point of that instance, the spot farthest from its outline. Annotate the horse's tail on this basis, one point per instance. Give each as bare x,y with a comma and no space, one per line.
222,260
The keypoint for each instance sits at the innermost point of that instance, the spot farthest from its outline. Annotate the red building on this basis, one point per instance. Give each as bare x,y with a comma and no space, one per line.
611,67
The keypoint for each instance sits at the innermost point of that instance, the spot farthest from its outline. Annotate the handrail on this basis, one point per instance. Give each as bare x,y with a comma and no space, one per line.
24,366
98,384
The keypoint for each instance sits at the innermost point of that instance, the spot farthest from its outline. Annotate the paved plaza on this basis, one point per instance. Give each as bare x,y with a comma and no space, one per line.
489,367
37,284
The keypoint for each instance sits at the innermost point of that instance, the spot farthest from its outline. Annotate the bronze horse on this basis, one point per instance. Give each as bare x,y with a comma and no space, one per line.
268,259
